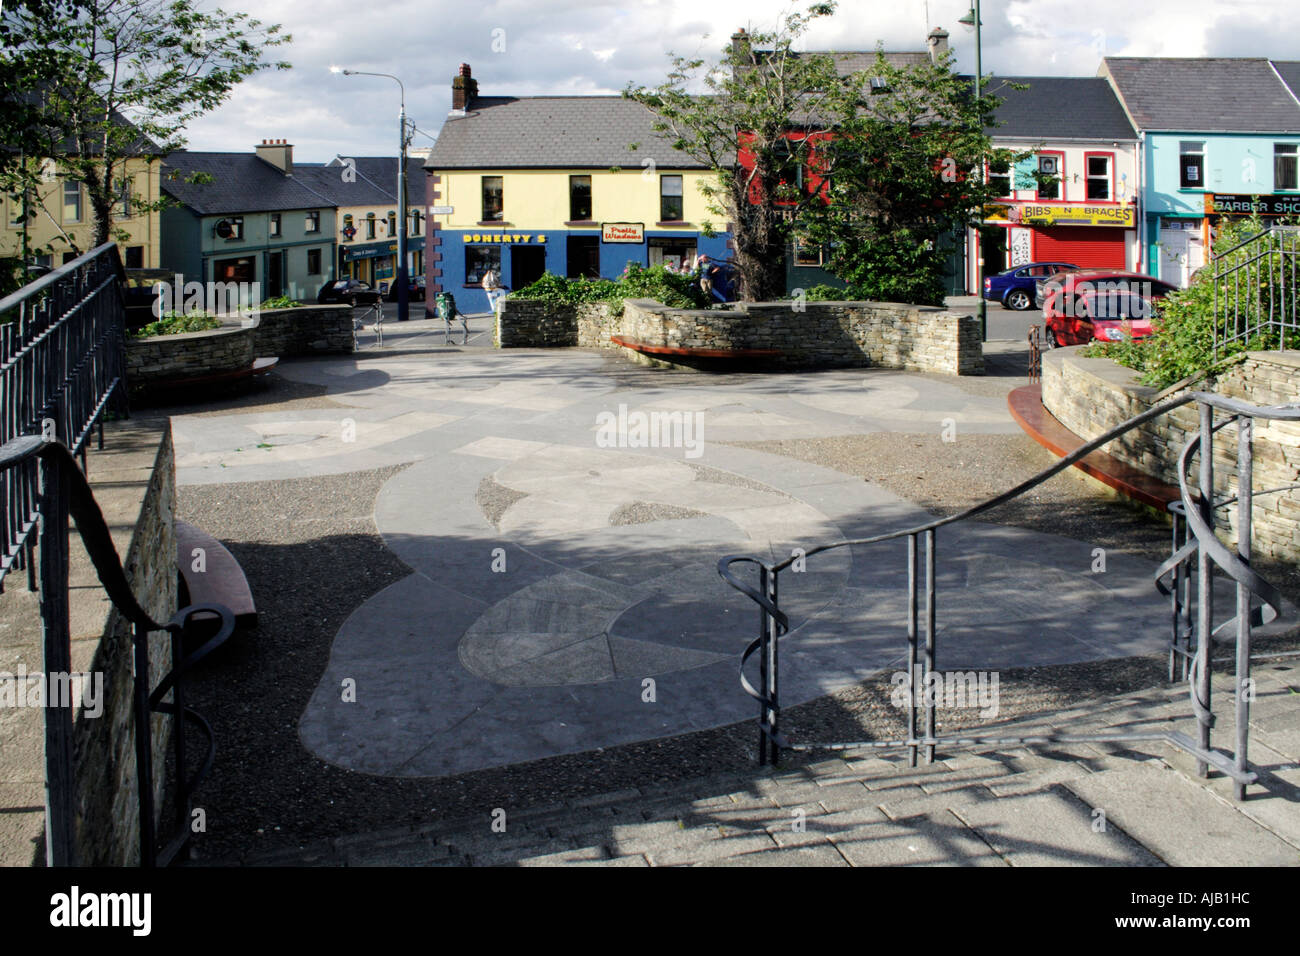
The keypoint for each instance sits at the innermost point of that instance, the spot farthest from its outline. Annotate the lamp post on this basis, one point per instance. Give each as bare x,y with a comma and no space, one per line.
972,21
403,293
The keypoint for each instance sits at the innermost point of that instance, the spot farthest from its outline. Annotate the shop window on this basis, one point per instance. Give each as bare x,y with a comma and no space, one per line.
311,222
71,202
670,199
313,262
1284,166
1191,164
1098,177
234,270
579,198
274,228
493,199
478,259
807,254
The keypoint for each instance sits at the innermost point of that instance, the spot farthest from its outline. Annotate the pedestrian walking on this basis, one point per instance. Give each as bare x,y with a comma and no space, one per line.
492,286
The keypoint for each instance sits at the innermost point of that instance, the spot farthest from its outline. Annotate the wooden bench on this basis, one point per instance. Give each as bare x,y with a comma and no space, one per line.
221,580
1027,409
686,351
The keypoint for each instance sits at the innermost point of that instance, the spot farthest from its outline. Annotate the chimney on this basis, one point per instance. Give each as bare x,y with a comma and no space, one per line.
740,51
277,152
464,88
938,43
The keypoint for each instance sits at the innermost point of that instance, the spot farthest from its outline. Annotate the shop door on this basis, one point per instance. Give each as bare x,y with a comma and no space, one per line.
1090,247
584,257
527,265
275,275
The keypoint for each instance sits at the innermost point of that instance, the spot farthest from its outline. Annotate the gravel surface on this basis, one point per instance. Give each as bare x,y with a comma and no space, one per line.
312,554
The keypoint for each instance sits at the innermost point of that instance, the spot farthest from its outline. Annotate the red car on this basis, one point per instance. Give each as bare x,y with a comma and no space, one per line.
1100,304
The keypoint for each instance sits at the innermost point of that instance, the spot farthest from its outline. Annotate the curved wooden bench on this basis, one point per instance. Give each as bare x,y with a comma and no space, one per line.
687,351
1027,409
221,581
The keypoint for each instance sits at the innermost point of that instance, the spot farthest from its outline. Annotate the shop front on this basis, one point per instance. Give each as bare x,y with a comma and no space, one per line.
376,262
1090,235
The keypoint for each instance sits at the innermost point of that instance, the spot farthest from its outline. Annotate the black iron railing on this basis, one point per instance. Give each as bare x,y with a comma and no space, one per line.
1191,638
61,367
1255,291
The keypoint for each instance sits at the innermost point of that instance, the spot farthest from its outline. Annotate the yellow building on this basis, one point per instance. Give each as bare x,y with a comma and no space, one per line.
63,219
572,185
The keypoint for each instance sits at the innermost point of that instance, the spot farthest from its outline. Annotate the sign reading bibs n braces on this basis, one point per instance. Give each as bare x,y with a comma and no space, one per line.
622,232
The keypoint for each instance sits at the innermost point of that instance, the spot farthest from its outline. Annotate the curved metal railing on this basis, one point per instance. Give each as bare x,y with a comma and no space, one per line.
64,493
1199,543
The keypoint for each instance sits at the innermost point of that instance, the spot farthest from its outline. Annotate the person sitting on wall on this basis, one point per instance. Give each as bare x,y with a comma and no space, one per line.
708,272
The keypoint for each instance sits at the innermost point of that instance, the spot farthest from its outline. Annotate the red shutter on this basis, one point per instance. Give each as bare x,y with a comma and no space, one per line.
1095,247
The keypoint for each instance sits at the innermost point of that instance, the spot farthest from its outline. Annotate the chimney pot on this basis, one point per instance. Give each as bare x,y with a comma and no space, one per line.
464,88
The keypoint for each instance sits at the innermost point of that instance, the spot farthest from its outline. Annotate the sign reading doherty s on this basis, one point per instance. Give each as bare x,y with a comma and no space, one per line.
1228,204
1061,214
622,232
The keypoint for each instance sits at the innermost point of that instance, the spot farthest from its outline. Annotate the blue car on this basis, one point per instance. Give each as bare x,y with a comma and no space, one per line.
1015,287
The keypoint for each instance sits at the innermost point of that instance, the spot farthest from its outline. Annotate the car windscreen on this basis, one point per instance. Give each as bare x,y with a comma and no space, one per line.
1118,305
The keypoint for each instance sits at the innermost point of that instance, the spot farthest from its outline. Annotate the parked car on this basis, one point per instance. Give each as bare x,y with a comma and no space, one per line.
1096,303
1015,287
415,289
353,291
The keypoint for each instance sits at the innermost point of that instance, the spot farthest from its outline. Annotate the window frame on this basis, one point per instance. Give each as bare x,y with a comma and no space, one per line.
1088,177
319,262
81,210
1009,176
275,226
500,211
573,209
1182,168
680,196
472,251
1294,156
1060,175
311,222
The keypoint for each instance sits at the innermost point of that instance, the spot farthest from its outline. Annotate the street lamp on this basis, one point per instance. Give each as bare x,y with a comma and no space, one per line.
403,294
972,22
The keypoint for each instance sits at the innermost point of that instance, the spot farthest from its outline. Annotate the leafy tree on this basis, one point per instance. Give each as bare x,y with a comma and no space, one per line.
875,164
93,83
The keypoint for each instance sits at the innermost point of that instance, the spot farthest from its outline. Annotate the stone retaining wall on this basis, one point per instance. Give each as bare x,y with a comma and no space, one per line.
308,330
1092,395
822,334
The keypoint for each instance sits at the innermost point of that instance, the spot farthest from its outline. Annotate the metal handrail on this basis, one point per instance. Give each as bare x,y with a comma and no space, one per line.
66,493
1199,510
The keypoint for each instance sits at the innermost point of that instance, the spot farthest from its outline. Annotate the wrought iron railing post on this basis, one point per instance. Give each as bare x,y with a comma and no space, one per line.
773,671
1205,587
60,778
764,636
913,686
929,643
1245,500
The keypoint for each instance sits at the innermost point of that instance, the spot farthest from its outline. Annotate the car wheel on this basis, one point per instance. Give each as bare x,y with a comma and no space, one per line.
1048,337
1019,300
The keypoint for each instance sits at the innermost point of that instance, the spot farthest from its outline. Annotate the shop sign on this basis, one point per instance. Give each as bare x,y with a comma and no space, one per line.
1229,204
622,232
510,238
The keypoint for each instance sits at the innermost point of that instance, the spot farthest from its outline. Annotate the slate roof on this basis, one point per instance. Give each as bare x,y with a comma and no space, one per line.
1289,70
1205,94
241,183
380,171
328,182
591,132
1058,107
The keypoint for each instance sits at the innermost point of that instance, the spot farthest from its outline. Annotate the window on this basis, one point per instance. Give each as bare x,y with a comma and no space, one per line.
311,222
670,198
313,262
807,255
478,259
579,198
71,202
124,198
275,225
370,225
1098,174
1191,165
135,257
392,224
231,228
493,199
234,270
1048,175
19,207
415,222
69,256
1000,178
1284,166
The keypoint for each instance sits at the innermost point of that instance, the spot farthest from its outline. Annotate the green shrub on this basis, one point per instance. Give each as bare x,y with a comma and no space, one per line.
1185,321
280,302
637,282
174,323
826,293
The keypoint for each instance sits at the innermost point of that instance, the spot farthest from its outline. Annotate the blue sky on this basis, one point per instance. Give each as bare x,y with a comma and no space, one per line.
525,47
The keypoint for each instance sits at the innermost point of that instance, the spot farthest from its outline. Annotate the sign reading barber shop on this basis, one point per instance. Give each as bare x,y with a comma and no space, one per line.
622,232
1228,204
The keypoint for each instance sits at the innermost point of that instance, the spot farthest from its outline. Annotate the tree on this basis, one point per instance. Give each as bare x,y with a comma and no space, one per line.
875,163
752,93
91,84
